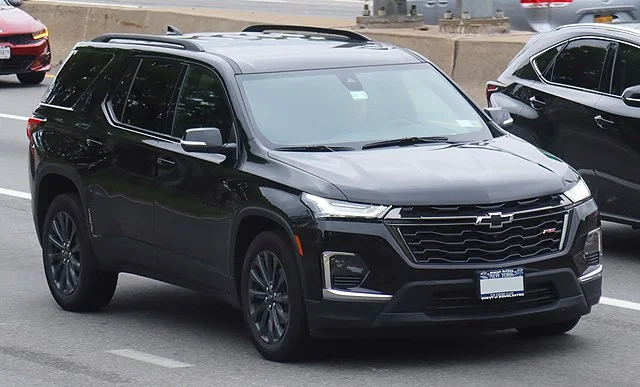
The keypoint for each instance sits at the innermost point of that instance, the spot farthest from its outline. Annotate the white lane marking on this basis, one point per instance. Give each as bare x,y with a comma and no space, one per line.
12,117
620,303
149,358
15,194
93,4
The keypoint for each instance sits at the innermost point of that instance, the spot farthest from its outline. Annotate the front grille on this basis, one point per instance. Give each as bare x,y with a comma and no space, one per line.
466,302
16,64
472,235
18,40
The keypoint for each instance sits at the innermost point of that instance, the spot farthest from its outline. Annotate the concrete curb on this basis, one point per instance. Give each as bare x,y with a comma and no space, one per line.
469,59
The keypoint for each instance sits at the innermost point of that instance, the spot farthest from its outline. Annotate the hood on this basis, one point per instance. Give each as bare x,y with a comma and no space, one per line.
15,21
502,169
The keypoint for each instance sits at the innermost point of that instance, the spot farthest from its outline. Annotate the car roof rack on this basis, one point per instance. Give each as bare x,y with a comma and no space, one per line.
141,38
351,35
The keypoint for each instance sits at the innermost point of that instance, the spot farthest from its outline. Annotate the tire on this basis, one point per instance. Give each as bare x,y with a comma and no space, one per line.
295,334
554,329
31,78
71,268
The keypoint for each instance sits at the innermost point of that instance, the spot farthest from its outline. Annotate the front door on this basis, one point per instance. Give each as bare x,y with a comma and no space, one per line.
195,196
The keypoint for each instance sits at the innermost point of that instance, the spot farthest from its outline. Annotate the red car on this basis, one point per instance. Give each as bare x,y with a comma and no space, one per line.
24,44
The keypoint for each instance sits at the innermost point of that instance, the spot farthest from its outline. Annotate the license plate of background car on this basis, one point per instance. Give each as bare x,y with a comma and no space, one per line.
5,52
504,283
603,19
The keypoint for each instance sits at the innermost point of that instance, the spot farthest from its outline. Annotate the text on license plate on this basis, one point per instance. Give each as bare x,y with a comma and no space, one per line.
5,52
603,19
505,283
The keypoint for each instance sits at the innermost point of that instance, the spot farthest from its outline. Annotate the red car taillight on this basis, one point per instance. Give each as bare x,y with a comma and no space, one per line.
33,124
544,3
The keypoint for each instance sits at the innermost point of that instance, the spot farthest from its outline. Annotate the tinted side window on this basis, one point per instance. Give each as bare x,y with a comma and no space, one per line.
202,104
545,60
625,71
581,63
145,102
76,76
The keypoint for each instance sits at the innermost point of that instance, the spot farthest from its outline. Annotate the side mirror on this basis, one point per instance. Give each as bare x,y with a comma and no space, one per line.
15,3
500,116
631,96
207,140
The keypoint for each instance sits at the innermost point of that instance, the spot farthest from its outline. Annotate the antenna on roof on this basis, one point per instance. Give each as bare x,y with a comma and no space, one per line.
171,30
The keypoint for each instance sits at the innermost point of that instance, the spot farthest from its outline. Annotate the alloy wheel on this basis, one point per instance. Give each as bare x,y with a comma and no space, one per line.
268,299
63,249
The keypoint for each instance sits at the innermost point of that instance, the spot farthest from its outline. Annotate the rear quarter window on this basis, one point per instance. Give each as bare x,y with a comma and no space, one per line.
79,72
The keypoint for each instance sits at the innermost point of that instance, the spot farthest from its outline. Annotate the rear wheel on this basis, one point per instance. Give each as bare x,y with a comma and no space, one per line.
70,266
31,78
554,329
272,301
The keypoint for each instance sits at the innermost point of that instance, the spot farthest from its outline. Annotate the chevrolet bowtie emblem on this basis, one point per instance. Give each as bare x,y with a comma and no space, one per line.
494,219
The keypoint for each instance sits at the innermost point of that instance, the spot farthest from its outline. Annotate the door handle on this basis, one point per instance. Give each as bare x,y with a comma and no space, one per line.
165,163
603,123
536,103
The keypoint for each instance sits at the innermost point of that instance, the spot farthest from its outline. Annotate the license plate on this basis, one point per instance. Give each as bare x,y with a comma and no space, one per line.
505,283
5,52
603,19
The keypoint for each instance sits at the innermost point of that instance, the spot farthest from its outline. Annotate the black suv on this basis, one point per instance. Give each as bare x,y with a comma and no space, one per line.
319,181
575,92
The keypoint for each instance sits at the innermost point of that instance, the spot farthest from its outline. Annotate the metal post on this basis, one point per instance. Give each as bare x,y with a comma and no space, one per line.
476,8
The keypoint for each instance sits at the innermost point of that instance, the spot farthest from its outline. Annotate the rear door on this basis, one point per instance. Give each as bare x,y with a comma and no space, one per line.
122,189
618,159
567,100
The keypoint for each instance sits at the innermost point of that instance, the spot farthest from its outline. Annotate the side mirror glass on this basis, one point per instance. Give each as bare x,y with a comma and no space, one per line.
631,96
500,116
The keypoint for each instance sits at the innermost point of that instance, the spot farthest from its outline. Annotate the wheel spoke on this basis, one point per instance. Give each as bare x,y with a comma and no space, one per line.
72,237
281,281
282,299
281,315
257,294
56,229
62,277
259,311
257,279
73,276
274,268
68,286
276,324
263,320
56,242
263,269
270,329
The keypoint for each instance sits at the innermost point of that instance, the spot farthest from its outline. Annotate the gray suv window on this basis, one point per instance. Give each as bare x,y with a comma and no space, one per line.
581,64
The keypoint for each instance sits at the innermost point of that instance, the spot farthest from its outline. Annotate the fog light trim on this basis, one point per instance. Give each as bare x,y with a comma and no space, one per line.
328,293
593,274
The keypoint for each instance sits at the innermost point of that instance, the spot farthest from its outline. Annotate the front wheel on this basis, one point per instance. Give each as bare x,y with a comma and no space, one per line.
71,269
554,329
272,301
31,78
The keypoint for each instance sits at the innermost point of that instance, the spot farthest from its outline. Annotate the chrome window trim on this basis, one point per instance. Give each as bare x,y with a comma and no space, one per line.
328,293
567,41
57,107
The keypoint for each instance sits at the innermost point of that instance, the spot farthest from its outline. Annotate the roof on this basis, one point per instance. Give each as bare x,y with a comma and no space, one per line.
256,50
626,27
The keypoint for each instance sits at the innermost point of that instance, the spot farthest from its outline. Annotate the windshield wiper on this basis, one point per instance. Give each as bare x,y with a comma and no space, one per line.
406,141
315,148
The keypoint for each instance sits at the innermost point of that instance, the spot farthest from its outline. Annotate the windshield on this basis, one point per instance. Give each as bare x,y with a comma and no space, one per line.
357,106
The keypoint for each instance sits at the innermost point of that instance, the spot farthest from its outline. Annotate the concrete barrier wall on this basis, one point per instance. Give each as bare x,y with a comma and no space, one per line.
470,60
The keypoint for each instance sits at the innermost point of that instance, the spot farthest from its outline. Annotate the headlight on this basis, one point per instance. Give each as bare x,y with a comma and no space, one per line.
41,34
329,208
578,192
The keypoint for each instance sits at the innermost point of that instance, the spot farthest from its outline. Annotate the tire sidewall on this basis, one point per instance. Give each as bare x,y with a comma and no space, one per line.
297,329
70,204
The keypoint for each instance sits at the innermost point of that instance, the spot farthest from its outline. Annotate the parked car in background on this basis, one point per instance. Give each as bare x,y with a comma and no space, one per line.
575,92
543,15
322,182
24,44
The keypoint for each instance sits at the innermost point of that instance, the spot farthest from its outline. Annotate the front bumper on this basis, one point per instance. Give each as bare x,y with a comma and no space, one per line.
26,58
400,294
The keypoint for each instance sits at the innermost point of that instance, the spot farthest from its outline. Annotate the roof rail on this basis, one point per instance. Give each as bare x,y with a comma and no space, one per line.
619,27
185,44
318,30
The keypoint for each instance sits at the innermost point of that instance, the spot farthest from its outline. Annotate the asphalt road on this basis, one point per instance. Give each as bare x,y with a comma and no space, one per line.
41,345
